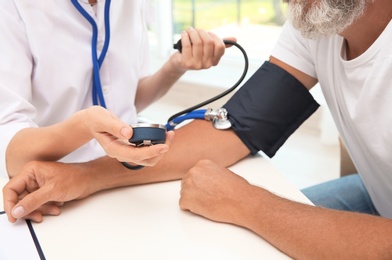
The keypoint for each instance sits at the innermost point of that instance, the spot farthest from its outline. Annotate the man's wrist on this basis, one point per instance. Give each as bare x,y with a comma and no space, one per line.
105,173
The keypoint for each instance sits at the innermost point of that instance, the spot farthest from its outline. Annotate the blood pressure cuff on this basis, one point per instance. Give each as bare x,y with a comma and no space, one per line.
268,108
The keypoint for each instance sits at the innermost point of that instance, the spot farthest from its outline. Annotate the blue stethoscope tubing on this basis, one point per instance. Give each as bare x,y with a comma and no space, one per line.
195,114
98,98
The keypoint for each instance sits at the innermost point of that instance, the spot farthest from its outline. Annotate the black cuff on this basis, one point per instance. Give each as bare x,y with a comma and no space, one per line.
268,108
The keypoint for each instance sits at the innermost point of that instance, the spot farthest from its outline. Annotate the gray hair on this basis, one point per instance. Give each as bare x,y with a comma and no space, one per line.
324,17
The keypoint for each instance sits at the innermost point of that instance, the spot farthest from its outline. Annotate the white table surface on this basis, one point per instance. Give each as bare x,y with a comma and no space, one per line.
146,222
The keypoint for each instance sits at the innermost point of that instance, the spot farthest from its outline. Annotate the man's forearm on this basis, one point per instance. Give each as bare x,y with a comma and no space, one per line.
307,232
191,144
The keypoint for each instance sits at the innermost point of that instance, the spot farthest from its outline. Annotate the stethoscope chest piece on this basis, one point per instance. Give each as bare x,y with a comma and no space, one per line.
218,117
221,124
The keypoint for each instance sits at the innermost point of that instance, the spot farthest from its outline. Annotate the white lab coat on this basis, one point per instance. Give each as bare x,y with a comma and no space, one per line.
46,64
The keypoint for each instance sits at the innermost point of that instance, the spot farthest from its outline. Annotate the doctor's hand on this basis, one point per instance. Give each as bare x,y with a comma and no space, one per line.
42,187
112,134
214,192
200,50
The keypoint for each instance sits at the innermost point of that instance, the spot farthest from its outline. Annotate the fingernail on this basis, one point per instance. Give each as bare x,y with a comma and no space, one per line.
126,132
18,212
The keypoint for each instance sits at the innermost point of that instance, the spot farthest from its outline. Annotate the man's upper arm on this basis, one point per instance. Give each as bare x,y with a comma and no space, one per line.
305,79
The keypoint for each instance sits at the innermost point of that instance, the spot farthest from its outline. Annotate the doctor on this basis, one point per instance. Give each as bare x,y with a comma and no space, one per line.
52,94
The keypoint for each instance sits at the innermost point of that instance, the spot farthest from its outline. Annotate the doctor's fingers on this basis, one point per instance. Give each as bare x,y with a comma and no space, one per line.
150,161
99,120
197,49
126,153
219,48
208,45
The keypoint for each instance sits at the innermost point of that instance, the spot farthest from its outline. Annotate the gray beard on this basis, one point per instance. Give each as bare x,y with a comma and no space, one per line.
324,18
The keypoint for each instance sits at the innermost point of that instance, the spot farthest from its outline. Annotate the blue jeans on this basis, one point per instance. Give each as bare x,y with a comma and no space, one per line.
347,193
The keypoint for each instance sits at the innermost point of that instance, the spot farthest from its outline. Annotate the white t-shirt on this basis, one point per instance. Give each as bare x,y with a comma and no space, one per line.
359,95
46,64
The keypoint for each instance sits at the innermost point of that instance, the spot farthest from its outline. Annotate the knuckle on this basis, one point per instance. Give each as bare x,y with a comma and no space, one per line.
189,64
198,66
32,165
208,41
207,64
197,44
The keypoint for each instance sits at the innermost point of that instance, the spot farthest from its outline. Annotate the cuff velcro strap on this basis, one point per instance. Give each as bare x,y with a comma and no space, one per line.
268,108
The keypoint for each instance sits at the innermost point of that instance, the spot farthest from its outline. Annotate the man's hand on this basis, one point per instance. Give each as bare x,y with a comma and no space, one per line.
213,192
41,188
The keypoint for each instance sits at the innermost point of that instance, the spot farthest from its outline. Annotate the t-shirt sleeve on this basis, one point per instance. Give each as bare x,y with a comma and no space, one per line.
295,50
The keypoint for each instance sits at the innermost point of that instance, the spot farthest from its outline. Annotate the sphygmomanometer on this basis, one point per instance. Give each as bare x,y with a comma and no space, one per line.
149,134
263,113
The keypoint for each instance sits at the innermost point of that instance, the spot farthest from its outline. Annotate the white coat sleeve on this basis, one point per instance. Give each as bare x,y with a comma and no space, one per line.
16,63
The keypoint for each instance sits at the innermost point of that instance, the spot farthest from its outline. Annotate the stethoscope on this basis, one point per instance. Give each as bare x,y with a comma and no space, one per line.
98,98
218,117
